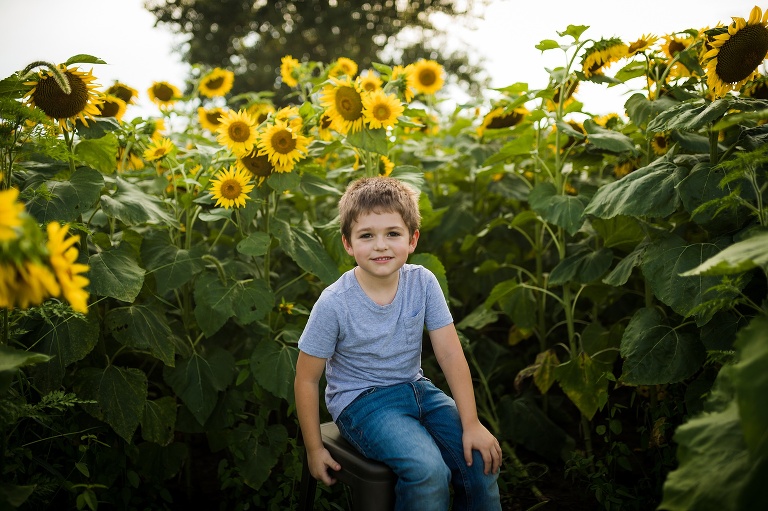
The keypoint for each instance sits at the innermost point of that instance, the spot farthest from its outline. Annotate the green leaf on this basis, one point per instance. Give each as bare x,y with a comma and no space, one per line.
255,244
12,359
69,199
144,328
574,31
132,206
213,302
283,181
198,380
544,375
583,382
15,495
664,263
308,252
83,58
607,139
519,146
655,353
261,455
621,273
649,191
115,273
172,266
547,44
582,268
690,116
703,185
100,154
561,210
526,424
642,110
159,420
372,140
121,397
750,381
316,186
621,232
737,258
253,301
516,301
273,365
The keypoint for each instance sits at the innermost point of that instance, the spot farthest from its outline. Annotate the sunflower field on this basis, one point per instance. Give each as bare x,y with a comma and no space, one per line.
607,274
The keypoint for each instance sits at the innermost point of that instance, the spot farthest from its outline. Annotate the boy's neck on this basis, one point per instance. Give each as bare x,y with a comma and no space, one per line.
381,291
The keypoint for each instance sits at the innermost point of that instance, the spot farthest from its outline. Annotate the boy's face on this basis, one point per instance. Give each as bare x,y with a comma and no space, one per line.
380,243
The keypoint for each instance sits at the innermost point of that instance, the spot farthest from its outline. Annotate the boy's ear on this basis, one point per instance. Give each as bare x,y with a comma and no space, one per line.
414,241
347,245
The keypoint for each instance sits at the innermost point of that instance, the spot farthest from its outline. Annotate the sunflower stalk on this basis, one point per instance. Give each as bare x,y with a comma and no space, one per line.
218,265
58,76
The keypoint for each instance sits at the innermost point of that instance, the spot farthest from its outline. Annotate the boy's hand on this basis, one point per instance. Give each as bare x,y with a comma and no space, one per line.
319,463
477,437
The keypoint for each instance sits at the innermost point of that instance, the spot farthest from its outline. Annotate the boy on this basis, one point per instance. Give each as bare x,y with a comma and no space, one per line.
366,331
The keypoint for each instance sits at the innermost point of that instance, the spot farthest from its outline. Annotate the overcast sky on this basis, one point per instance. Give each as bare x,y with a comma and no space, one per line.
122,33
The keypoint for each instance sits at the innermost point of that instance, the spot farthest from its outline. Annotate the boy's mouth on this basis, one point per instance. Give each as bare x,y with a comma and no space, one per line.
381,259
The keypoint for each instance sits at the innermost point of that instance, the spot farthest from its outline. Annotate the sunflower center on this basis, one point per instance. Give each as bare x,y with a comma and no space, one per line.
213,117
52,100
215,83
325,122
121,92
163,92
348,103
427,77
109,109
257,165
675,47
239,131
231,189
742,53
283,142
381,112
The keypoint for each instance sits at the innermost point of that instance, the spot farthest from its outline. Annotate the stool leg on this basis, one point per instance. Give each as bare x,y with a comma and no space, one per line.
307,488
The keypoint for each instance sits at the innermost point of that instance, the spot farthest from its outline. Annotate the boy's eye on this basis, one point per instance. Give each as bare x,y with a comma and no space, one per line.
393,233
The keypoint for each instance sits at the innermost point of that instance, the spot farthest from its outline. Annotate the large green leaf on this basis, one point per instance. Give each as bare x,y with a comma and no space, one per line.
116,273
273,365
584,383
690,116
372,140
561,210
198,380
620,232
750,381
544,374
253,301
255,244
101,153
65,340
260,455
526,424
737,258
664,263
608,140
642,110
11,360
581,268
621,273
655,353
171,265
703,185
649,191
214,302
121,397
68,199
304,248
159,420
516,301
144,328
132,206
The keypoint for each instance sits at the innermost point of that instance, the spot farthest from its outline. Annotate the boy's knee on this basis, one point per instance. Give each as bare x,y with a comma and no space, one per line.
428,472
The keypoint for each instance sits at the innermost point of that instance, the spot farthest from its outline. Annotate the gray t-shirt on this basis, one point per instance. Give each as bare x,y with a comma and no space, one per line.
370,345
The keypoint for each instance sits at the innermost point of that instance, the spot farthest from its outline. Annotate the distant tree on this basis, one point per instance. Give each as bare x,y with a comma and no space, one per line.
250,37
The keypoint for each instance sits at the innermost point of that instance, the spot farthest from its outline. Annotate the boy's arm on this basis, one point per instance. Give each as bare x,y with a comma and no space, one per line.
309,369
450,356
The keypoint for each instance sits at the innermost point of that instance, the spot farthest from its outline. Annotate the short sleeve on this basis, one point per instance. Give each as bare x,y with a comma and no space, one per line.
322,330
437,314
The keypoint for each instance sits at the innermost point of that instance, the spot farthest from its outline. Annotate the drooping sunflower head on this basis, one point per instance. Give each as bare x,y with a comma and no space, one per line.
563,92
231,187
216,83
210,118
283,145
63,258
10,214
737,52
623,168
324,127
289,68
259,111
258,165
381,110
163,94
427,76
369,81
238,131
124,92
159,148
601,55
80,103
343,67
675,43
404,81
660,144
386,166
609,121
112,106
502,117
343,103
291,116
643,44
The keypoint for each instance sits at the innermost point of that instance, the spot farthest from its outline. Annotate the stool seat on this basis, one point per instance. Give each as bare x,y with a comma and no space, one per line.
372,482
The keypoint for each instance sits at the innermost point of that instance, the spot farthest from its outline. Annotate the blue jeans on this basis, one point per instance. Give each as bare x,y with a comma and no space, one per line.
415,429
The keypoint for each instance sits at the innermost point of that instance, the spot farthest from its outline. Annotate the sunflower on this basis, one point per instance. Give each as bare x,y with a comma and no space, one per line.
643,44
601,55
756,88
404,81
129,161
289,68
343,102
370,81
660,144
385,166
112,106
736,54
570,86
81,103
124,92
283,146
210,118
674,44
623,168
159,149
63,255
610,121
427,76
163,94
258,165
35,284
500,117
260,111
10,214
343,67
291,116
381,110
231,188
237,131
324,127
216,83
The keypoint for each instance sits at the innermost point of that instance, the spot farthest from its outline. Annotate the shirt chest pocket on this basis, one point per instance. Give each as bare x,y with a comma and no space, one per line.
413,324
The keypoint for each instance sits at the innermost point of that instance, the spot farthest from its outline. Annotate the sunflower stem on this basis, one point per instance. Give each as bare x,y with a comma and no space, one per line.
69,139
60,78
218,265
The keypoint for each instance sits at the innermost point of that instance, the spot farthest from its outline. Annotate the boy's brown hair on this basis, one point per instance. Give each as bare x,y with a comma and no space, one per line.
379,195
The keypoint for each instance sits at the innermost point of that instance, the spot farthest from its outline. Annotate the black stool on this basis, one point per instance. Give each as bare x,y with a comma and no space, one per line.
372,482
